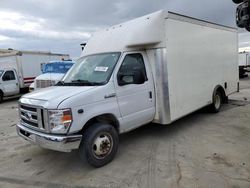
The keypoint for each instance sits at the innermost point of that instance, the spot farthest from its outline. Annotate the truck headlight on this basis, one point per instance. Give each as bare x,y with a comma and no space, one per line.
60,120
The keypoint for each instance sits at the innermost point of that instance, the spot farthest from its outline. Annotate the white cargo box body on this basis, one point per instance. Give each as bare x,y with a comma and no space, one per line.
188,57
244,59
27,63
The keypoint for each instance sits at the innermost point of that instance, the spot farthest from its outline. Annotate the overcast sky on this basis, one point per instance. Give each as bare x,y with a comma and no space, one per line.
61,25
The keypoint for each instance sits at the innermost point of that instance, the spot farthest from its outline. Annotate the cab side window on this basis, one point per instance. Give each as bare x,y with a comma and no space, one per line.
132,70
8,76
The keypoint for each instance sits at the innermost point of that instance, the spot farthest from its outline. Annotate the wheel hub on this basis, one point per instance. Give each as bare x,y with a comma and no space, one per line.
102,145
217,101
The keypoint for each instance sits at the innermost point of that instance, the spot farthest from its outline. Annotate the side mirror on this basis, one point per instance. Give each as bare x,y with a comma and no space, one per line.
42,67
238,1
136,77
124,79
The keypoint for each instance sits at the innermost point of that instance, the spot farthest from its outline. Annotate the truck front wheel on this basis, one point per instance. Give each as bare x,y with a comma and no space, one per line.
217,102
99,144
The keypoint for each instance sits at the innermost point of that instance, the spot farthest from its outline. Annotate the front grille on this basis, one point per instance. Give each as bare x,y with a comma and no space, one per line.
29,122
28,108
32,117
44,83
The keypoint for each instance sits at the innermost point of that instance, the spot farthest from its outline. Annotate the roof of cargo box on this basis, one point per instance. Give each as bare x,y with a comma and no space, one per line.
141,33
12,52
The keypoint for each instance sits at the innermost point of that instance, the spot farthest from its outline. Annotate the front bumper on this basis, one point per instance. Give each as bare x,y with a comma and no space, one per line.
53,142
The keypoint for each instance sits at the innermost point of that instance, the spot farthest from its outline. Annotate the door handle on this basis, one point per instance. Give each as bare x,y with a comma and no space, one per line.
110,95
150,94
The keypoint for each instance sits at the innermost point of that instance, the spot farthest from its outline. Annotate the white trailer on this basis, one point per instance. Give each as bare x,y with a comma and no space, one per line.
23,67
157,68
244,64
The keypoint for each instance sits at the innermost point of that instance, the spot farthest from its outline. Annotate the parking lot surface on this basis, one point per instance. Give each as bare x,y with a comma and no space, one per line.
201,150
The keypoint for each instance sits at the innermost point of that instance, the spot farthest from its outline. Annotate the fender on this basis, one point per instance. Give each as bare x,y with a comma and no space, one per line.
108,107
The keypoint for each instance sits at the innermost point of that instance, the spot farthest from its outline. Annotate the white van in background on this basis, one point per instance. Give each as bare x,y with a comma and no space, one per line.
52,73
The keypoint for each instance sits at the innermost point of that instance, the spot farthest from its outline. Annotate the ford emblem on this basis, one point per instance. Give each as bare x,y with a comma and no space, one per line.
28,115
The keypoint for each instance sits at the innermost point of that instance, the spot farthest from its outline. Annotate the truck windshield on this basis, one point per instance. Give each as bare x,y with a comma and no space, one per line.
91,70
1,72
56,67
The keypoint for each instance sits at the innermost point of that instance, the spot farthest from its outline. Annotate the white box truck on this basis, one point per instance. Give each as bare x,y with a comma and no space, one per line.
157,68
18,69
244,64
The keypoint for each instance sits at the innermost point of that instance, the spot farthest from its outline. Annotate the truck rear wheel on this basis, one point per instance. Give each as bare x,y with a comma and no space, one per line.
99,144
217,102
1,97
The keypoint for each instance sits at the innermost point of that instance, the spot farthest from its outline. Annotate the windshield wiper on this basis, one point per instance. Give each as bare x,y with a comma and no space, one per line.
84,82
60,83
77,83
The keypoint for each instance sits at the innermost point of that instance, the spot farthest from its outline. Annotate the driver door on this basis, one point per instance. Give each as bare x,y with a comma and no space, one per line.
10,83
136,100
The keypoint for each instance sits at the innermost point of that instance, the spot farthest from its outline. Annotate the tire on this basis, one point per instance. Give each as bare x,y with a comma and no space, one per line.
217,102
99,144
1,97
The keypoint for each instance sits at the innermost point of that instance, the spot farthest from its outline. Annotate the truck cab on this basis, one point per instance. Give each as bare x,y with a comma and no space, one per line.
114,89
9,83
